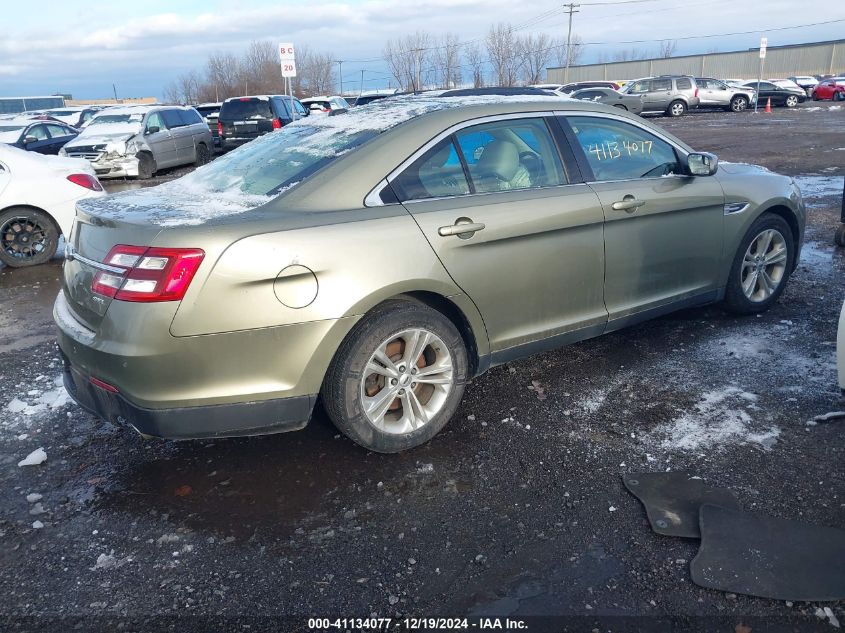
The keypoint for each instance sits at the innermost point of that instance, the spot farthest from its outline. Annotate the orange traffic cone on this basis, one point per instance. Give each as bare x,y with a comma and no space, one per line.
769,105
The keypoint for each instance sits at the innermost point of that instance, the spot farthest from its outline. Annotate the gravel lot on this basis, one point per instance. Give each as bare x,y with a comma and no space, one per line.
516,509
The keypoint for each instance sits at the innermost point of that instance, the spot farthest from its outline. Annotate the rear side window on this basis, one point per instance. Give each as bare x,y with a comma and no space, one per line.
617,150
685,84
172,118
57,131
511,154
242,109
435,174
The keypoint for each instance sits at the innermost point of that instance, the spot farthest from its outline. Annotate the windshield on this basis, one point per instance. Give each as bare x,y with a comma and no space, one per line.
10,133
277,160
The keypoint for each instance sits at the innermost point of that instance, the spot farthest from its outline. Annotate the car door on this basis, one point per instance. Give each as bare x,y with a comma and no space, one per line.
37,139
642,89
59,135
515,227
160,140
824,90
663,229
659,95
711,93
181,134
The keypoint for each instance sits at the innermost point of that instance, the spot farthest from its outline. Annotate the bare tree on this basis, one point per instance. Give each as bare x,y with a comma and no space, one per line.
315,73
502,51
260,68
536,52
184,89
630,55
446,60
576,50
406,56
475,61
223,76
668,48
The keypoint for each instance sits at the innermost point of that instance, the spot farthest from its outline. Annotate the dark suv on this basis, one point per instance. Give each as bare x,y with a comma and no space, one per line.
672,95
243,119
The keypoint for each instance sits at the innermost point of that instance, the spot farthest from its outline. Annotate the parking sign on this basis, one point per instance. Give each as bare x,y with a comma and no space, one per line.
763,43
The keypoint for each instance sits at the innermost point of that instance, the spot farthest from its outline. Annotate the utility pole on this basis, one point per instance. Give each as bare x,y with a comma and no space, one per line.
114,88
571,8
361,91
340,74
417,67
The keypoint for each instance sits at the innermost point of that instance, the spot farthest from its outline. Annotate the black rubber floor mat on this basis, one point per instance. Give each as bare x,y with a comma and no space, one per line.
770,558
672,500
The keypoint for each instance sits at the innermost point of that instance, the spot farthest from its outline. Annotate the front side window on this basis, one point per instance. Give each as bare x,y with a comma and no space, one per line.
511,154
38,131
616,150
435,174
640,86
155,120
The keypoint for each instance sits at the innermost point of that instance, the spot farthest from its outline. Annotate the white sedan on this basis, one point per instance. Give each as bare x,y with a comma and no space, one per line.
38,196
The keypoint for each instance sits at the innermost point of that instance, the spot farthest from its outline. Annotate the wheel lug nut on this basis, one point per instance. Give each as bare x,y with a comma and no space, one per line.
402,368
393,381
414,370
401,392
413,385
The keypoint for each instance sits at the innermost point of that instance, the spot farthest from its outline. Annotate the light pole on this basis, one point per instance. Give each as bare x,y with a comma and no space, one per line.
571,8
340,74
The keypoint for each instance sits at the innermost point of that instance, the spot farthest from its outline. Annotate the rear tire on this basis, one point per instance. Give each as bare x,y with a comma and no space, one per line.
28,237
367,391
761,267
146,166
676,109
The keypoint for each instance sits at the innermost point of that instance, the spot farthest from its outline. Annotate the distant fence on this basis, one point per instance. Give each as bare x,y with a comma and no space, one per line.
781,61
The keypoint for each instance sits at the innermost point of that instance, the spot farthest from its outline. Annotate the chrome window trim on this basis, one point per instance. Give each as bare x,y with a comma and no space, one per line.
495,193
604,115
373,199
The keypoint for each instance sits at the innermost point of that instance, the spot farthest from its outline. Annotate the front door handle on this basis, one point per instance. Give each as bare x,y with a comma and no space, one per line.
629,203
464,228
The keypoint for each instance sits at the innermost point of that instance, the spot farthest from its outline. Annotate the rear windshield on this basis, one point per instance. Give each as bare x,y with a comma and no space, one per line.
246,109
276,161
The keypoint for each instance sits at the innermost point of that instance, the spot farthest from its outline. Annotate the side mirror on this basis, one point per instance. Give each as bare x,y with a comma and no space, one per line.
29,139
702,164
153,129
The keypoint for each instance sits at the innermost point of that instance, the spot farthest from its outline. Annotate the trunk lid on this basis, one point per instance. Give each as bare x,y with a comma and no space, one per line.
91,238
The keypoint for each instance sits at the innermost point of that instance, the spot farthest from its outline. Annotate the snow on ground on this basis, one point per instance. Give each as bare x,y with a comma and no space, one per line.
814,187
42,396
722,417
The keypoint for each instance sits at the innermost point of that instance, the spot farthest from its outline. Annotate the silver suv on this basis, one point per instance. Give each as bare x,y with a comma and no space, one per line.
713,93
137,141
670,94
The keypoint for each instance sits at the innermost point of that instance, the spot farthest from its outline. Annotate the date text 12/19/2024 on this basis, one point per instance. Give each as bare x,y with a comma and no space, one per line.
417,624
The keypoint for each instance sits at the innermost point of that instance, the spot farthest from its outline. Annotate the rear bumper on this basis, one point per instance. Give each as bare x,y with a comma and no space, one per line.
221,420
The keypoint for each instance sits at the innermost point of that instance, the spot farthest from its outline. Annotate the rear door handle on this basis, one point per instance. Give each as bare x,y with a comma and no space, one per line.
463,228
629,203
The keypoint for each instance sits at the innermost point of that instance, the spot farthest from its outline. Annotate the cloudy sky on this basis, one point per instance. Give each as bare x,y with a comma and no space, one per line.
82,48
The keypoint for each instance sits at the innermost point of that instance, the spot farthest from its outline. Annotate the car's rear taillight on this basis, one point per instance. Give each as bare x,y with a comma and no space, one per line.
86,180
219,128
327,109
277,124
147,274
696,93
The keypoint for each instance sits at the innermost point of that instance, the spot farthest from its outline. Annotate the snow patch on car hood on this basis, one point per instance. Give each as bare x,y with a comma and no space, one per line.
742,168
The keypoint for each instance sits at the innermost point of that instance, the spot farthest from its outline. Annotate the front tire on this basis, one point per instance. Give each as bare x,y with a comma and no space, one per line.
739,104
791,101
676,109
146,166
839,96
28,237
398,377
761,266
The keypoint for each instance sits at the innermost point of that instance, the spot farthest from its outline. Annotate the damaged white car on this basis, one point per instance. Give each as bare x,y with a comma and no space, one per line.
137,141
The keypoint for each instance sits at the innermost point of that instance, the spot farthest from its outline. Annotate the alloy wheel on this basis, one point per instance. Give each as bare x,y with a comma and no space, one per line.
23,238
791,101
677,109
406,381
738,105
764,265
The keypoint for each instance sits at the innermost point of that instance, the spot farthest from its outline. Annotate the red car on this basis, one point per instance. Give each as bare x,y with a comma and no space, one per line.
830,89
